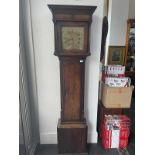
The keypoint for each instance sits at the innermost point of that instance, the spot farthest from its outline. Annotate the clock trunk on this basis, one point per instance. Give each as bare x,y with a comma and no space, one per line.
72,87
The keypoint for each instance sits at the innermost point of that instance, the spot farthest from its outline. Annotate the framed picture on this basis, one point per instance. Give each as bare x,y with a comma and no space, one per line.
116,55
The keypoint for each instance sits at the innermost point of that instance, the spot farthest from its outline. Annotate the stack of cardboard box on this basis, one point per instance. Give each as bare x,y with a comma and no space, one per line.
115,88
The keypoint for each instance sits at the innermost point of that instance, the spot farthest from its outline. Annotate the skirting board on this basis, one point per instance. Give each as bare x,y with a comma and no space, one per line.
51,138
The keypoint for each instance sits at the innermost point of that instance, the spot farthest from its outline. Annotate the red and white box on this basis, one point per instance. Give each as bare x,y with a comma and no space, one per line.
113,71
115,131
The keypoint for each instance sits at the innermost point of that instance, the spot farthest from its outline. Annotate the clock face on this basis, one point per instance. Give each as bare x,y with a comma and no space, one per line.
72,38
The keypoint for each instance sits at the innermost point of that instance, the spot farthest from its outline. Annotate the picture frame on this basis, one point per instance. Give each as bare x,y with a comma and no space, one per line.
116,55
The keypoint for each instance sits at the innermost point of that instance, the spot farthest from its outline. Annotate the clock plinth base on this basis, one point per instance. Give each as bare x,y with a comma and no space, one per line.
72,139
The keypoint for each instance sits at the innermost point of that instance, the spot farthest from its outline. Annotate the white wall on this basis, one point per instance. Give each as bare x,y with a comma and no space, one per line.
47,68
119,16
117,19
132,9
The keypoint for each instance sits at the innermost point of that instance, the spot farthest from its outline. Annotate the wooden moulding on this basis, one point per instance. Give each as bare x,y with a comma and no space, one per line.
72,12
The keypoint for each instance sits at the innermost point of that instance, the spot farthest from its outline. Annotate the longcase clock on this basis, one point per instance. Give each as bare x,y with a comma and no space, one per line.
72,27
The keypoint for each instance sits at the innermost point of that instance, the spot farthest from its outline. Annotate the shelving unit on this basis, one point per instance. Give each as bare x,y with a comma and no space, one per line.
129,60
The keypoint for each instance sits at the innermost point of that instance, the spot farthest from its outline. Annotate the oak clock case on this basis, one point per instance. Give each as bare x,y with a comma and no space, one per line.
72,26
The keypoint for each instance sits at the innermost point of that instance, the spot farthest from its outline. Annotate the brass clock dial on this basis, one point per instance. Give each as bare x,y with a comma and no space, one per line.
72,38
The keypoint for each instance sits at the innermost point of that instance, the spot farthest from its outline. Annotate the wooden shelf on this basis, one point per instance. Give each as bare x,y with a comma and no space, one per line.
130,73
129,53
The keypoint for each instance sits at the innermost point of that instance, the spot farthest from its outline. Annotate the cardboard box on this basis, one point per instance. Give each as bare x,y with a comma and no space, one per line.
114,97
